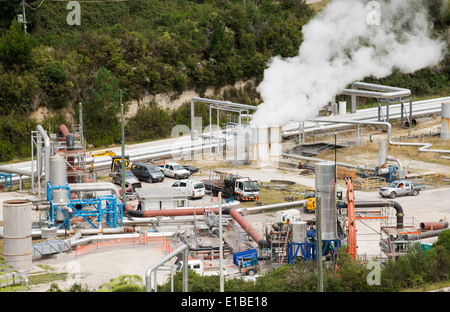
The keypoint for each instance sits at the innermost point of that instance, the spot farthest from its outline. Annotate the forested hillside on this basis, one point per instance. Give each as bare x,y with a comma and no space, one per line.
147,47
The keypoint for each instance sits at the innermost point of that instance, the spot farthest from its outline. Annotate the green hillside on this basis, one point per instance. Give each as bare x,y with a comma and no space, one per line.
147,47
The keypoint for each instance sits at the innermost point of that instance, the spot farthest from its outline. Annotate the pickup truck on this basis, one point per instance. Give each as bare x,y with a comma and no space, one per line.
175,170
399,188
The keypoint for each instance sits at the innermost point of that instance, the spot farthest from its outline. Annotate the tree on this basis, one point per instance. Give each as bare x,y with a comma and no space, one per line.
102,122
15,46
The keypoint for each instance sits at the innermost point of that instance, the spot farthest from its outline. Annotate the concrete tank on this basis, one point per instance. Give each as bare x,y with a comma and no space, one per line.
445,120
275,145
298,231
17,234
325,188
260,146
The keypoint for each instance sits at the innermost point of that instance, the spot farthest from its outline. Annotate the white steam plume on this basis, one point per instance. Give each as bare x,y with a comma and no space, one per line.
342,44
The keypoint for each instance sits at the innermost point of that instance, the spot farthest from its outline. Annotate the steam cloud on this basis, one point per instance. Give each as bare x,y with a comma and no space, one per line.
342,44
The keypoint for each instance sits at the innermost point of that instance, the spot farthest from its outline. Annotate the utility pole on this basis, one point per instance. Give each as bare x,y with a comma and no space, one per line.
220,243
81,123
123,149
319,245
24,16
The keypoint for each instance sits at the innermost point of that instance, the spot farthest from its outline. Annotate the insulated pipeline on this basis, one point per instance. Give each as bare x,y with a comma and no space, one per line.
398,208
191,211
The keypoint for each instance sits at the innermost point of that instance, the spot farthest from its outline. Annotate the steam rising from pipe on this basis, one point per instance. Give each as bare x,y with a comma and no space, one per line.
346,42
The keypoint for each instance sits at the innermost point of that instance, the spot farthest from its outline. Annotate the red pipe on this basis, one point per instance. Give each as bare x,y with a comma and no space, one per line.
425,226
247,227
168,212
64,131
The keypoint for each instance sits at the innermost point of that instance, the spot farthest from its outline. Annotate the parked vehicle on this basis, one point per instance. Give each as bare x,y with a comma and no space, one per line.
195,187
175,170
399,188
131,182
147,172
191,169
231,185
194,264
247,262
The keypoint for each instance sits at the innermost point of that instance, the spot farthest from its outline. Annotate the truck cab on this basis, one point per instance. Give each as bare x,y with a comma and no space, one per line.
246,189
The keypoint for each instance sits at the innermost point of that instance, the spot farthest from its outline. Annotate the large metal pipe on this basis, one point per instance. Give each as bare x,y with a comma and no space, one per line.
184,249
46,138
99,186
426,226
246,211
248,228
423,147
422,235
169,212
390,203
225,104
312,159
191,211
376,91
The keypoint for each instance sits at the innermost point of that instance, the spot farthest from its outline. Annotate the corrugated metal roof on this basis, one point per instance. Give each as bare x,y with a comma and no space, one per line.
161,192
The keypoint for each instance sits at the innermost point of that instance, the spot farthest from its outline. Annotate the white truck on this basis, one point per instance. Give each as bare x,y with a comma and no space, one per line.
399,188
231,185
174,170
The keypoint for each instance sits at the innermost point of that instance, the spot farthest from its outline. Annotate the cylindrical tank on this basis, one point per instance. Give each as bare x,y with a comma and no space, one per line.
260,145
58,177
325,188
298,231
445,120
17,234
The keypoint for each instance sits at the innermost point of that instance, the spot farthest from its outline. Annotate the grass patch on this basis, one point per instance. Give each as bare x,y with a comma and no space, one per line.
319,6
269,195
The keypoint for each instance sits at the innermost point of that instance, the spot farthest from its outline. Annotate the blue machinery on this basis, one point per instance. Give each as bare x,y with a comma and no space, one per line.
307,250
7,177
106,208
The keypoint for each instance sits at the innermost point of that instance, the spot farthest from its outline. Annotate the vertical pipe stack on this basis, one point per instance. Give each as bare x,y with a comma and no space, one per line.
445,121
17,234
325,188
382,153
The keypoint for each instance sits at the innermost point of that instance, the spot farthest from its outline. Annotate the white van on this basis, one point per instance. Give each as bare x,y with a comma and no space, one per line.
196,188
194,264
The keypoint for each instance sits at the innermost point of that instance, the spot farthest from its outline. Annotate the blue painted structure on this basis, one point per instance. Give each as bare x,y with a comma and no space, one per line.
106,208
7,177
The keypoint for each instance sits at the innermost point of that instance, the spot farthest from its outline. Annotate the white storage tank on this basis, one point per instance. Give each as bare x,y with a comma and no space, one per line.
298,232
17,237
58,177
260,146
